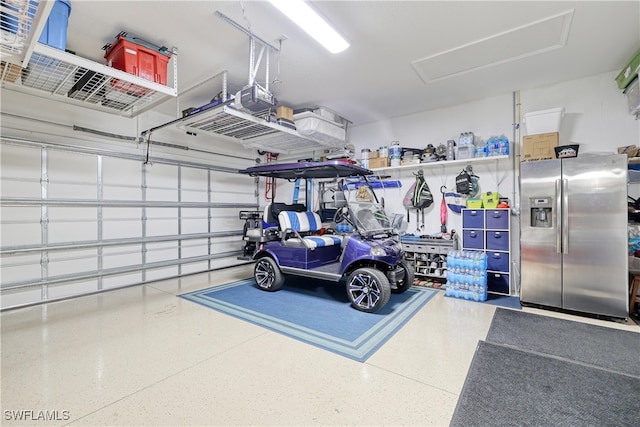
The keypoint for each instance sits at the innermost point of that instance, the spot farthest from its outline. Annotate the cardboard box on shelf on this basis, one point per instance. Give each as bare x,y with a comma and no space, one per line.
12,72
540,146
378,162
283,112
629,150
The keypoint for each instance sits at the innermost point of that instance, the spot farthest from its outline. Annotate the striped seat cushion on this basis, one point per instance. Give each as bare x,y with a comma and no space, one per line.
313,242
301,222
304,222
320,241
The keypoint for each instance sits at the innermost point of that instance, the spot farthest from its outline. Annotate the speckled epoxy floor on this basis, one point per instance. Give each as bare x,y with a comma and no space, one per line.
142,356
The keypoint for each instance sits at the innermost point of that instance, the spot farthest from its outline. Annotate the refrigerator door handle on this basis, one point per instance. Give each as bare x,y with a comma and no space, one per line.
557,217
565,216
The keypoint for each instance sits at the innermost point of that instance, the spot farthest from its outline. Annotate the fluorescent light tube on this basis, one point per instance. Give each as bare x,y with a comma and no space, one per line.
300,13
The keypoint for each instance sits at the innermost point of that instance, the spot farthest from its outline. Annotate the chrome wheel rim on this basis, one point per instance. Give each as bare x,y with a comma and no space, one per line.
265,275
364,291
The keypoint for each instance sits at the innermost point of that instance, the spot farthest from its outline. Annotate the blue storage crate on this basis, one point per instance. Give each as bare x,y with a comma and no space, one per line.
498,282
54,32
13,18
498,240
498,261
472,218
497,219
472,239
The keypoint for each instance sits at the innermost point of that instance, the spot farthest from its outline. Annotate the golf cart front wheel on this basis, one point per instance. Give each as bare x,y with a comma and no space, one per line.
407,281
368,289
268,275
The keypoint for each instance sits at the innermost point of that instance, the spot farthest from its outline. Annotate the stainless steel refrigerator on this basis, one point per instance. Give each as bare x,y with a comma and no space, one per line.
574,234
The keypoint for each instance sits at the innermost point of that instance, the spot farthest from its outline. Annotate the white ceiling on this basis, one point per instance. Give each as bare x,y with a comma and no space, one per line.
374,78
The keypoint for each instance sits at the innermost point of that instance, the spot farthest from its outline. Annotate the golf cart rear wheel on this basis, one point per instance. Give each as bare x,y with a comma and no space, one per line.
407,282
268,275
368,289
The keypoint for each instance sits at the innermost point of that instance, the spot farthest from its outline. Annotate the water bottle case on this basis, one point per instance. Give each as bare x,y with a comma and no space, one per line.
467,275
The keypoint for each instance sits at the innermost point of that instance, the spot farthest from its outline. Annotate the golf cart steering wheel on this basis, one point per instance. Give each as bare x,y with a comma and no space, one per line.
342,214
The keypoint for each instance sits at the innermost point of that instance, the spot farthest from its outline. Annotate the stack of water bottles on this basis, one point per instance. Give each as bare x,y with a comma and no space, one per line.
344,227
467,275
497,146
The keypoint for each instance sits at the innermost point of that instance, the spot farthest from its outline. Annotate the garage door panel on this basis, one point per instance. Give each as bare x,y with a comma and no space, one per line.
72,175
20,225
72,288
122,256
194,220
121,280
162,273
20,268
196,267
193,248
163,251
72,262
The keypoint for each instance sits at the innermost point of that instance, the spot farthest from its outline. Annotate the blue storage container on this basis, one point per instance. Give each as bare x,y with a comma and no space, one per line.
498,261
497,282
472,218
54,32
13,17
472,239
498,240
497,219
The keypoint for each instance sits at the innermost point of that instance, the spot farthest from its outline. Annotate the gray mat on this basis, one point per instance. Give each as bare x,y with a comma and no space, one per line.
599,346
506,386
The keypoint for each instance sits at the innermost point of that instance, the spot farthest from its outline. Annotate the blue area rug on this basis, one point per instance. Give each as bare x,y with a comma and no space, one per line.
504,301
499,300
315,312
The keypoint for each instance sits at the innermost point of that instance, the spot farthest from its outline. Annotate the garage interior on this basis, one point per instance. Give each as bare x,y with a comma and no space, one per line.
119,196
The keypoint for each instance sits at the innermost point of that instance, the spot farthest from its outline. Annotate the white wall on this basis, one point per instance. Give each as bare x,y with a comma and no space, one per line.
596,112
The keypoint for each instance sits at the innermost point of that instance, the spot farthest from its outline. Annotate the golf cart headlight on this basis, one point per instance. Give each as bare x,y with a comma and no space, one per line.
377,251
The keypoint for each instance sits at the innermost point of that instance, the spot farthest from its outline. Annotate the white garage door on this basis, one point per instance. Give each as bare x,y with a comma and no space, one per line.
81,221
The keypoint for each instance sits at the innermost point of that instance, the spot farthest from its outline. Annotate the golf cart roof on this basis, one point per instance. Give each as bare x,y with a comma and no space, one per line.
291,171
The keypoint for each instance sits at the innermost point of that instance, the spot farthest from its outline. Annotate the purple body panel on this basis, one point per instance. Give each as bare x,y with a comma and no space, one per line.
356,249
302,257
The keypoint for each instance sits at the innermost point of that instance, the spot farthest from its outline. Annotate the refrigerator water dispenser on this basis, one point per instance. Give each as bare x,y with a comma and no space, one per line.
541,212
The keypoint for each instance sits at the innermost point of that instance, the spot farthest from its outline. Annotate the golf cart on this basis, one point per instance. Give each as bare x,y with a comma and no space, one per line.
289,239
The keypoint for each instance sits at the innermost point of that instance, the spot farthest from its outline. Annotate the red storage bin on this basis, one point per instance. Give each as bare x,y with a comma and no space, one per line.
139,58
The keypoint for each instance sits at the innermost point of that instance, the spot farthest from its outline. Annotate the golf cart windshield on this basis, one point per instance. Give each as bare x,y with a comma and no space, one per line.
369,218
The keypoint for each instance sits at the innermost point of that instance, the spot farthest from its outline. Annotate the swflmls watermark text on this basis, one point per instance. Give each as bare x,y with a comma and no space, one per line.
34,415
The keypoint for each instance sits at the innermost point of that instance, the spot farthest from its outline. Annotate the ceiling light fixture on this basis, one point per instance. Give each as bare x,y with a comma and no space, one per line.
307,19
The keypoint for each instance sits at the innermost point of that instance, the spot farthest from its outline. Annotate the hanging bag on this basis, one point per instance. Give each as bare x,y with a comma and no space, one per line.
407,201
463,182
422,197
